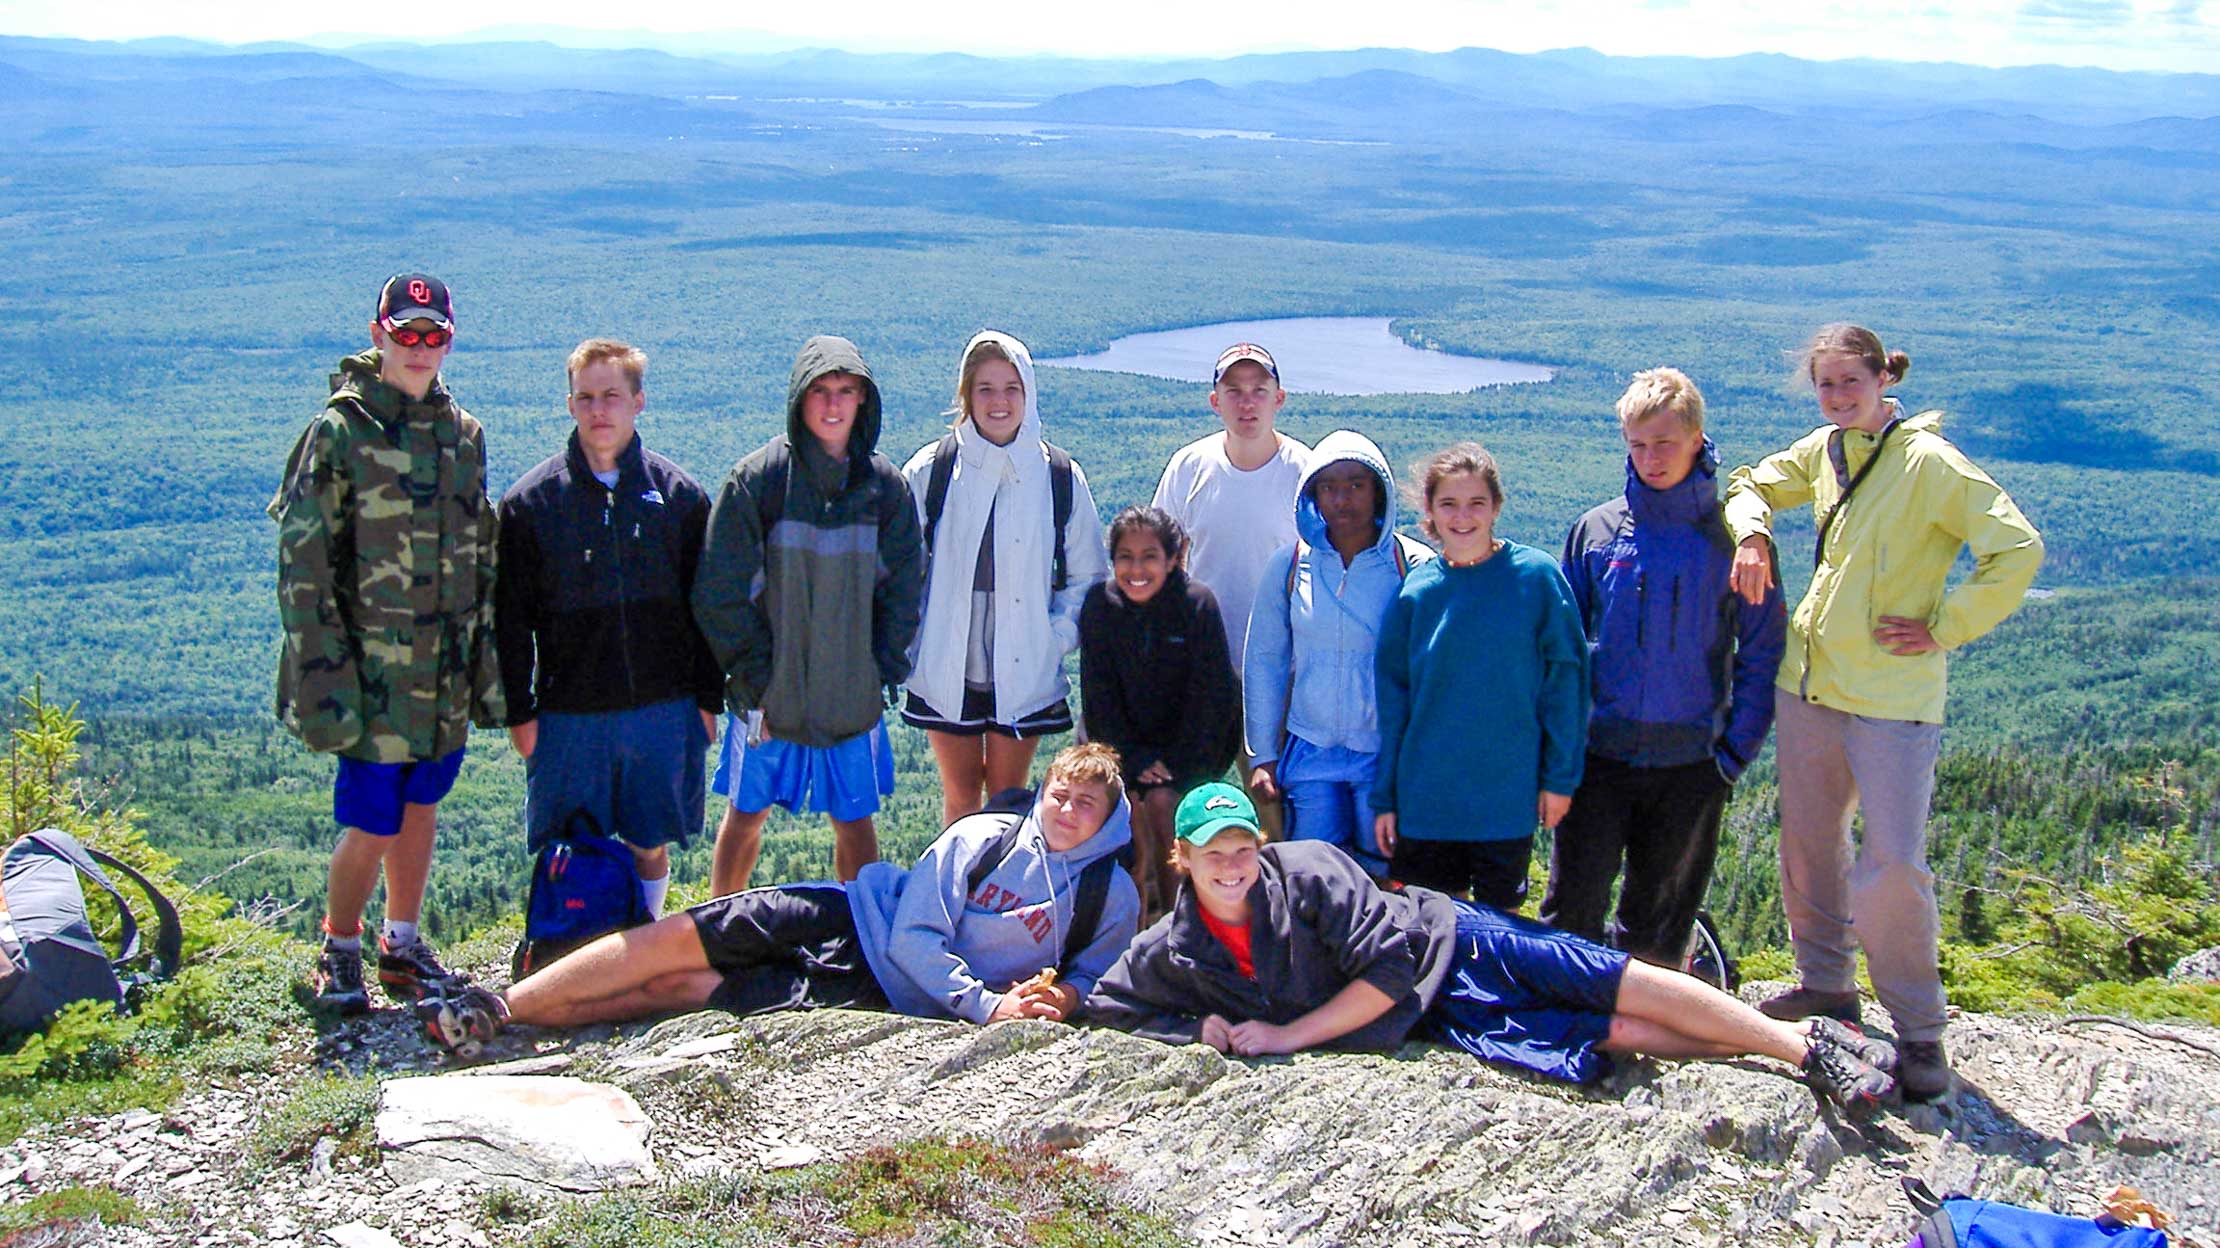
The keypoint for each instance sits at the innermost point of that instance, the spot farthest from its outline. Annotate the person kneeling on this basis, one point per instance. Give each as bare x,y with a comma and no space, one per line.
956,936
1284,947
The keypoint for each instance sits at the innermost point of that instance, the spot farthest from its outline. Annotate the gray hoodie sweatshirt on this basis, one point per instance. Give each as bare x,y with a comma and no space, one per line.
941,950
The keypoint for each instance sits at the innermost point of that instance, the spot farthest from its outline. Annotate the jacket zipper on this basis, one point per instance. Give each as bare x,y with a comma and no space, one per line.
616,564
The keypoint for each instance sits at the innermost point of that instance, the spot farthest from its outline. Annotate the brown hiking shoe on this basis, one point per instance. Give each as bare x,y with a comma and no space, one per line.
1800,1003
1922,1071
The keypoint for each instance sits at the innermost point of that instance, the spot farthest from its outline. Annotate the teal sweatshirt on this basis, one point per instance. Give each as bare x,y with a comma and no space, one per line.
1482,675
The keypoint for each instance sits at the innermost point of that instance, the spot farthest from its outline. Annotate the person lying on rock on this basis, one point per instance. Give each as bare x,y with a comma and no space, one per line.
982,929
1284,947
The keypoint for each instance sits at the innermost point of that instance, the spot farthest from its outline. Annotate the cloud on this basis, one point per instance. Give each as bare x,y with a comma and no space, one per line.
2184,13
2080,12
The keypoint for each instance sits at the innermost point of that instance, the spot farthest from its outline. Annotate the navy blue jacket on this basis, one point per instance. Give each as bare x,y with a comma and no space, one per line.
590,607
1682,668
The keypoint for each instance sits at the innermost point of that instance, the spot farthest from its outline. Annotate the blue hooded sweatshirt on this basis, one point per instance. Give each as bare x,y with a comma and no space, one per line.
1326,627
1682,668
939,953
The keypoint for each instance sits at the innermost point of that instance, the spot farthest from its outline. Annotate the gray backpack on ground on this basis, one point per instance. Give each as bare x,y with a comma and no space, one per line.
49,956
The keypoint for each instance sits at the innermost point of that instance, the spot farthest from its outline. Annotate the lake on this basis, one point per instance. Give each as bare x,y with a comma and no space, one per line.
1316,355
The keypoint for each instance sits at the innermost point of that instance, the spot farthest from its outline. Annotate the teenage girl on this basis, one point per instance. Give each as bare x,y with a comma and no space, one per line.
1000,615
1483,687
1156,684
1306,678
1859,699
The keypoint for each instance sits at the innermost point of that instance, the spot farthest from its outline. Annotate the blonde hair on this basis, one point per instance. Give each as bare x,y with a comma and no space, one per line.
1465,458
597,350
1090,762
1843,338
1657,390
979,353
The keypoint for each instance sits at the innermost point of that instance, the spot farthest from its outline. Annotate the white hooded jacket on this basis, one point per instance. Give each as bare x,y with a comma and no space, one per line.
1034,630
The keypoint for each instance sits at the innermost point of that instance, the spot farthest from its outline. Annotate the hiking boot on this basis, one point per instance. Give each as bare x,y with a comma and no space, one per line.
338,980
1839,1074
1800,1003
461,1018
410,972
1879,1054
1923,1070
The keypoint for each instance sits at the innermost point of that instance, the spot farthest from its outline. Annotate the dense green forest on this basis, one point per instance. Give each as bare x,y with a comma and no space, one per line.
198,241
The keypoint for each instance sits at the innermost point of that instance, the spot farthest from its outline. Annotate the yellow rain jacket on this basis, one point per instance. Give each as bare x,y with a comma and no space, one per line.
1888,553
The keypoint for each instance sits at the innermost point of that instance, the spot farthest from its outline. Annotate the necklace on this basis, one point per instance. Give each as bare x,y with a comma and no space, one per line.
1493,547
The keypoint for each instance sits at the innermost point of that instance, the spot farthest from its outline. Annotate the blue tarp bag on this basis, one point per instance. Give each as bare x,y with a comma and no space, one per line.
583,886
1956,1221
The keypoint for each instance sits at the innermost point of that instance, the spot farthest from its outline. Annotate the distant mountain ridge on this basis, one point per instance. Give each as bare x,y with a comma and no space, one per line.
1574,80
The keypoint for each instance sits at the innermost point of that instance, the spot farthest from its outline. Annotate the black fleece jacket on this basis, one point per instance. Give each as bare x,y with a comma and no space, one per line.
1156,681
590,609
1316,922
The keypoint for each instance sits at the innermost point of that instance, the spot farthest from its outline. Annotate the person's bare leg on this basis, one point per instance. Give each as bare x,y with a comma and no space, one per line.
1702,1015
355,863
963,774
652,864
855,846
1152,847
628,974
1639,1035
408,863
739,844
1009,761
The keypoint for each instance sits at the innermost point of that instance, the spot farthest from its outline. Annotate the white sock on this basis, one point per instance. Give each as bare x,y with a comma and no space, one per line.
398,933
656,889
345,944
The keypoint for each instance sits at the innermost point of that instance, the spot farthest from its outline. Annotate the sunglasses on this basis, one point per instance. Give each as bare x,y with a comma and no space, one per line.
404,336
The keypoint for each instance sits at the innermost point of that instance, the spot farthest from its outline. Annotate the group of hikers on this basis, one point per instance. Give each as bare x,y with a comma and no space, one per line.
1400,717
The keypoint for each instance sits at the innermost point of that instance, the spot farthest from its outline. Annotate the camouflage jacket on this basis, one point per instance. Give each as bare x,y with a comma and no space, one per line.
385,575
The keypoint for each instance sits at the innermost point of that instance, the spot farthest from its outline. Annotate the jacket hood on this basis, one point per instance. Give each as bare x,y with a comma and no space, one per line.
358,377
1336,447
1696,496
1029,427
1929,421
829,354
1113,836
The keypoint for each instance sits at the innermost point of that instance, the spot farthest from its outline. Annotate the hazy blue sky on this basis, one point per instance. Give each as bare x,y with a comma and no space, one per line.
2121,34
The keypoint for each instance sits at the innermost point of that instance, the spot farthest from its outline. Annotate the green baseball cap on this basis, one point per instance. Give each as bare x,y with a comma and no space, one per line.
1212,809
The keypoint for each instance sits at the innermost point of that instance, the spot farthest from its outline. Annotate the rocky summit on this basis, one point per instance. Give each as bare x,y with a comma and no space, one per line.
1425,1147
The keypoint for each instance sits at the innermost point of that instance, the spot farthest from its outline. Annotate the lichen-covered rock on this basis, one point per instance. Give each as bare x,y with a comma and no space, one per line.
540,1131
2198,967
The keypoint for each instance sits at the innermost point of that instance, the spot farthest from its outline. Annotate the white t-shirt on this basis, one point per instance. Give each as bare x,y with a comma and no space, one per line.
1234,518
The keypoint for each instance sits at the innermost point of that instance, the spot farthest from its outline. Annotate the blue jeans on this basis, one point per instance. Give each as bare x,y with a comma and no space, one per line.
1329,798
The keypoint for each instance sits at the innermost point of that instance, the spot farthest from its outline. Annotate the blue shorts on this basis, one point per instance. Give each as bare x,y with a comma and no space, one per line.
369,796
1329,798
845,781
638,773
1529,995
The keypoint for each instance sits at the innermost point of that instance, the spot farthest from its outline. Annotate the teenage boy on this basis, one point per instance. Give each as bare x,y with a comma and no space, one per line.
809,593
612,695
385,594
1683,680
963,934
1234,493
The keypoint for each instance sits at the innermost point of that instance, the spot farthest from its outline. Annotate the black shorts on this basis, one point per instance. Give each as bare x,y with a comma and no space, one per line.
1493,872
977,718
793,947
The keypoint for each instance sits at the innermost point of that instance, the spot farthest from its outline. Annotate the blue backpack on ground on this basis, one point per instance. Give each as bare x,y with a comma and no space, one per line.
1957,1221
49,955
583,886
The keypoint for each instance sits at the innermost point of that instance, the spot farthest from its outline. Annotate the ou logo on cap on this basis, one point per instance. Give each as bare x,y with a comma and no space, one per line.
419,292
1221,803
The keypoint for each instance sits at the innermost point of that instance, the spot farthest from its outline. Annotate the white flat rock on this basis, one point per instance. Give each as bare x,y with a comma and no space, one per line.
538,1131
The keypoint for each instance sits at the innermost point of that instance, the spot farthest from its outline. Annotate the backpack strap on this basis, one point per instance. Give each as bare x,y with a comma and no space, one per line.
1840,461
936,485
169,933
997,849
1059,505
770,503
1086,909
70,850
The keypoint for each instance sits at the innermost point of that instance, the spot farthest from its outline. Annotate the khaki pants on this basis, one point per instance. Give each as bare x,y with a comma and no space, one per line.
1882,896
